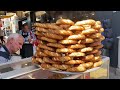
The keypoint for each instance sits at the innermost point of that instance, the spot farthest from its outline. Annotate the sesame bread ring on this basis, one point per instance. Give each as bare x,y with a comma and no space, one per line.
85,22
79,28
87,26
77,32
101,30
74,62
68,41
97,26
89,57
76,69
87,40
77,54
97,64
37,48
99,46
86,49
64,21
61,66
52,26
49,53
98,57
94,51
96,35
76,46
53,36
88,31
56,45
76,37
62,59
40,60
48,66
63,32
60,31
65,50
65,26
98,22
48,60
97,39
40,54
98,53
95,44
45,47
34,59
45,65
102,38
48,39
87,65
38,33
41,29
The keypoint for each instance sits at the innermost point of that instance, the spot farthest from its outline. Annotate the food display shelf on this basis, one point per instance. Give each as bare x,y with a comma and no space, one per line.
25,69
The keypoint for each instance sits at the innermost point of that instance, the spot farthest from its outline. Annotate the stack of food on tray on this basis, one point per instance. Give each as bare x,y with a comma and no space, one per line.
69,46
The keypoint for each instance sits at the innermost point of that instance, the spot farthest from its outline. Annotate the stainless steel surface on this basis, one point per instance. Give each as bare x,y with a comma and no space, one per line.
16,63
33,72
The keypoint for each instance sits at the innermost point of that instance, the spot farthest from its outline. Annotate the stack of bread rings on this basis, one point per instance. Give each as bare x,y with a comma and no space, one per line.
69,46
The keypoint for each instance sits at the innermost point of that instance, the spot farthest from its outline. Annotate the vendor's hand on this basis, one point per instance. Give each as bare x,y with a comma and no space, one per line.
29,40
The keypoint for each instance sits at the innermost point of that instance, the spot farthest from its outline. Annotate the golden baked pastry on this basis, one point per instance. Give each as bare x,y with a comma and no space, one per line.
79,28
86,49
40,60
48,60
40,54
77,54
76,46
76,37
65,50
87,26
49,53
62,59
97,64
65,26
53,36
85,22
89,31
45,47
64,21
85,41
74,62
48,66
95,44
76,69
56,45
48,39
87,64
68,41
61,66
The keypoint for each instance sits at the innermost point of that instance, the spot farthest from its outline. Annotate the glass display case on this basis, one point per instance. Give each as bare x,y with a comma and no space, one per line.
28,70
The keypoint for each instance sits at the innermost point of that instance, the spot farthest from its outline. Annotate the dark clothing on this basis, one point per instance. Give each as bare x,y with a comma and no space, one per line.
2,39
26,51
25,34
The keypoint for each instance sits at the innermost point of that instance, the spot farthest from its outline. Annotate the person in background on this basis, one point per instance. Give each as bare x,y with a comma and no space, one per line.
29,41
28,35
13,44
